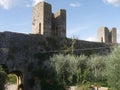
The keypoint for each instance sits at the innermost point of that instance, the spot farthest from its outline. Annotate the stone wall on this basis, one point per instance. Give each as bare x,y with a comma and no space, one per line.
19,52
21,48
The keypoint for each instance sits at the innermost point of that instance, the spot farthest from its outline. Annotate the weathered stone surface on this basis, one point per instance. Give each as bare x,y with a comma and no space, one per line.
46,23
107,36
18,51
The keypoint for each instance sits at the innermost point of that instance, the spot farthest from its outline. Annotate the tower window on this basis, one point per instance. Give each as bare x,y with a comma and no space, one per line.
40,28
101,39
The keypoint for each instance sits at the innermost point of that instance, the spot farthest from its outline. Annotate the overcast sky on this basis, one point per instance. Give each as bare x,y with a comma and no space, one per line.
84,17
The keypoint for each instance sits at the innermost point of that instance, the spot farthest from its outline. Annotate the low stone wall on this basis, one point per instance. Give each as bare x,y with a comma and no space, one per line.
72,88
101,88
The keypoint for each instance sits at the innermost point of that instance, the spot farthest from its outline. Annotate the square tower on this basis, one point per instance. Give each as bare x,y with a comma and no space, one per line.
59,26
103,33
107,36
42,19
113,35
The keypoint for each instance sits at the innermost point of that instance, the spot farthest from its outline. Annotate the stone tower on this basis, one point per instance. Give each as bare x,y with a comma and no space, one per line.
107,36
113,35
59,26
46,23
103,34
41,19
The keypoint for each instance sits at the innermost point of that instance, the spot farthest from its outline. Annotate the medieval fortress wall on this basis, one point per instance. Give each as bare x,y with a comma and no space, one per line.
19,51
49,34
23,52
46,23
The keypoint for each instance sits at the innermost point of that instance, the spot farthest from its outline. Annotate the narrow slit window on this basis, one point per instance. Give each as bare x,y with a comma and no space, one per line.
40,28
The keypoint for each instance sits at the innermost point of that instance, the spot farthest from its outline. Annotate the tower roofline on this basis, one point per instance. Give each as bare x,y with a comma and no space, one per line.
60,10
46,23
42,2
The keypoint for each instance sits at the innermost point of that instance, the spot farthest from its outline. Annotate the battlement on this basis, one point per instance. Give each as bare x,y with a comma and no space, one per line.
60,12
60,23
46,23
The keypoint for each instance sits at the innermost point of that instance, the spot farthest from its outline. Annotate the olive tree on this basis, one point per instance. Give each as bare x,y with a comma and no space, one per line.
113,69
64,68
70,69
96,66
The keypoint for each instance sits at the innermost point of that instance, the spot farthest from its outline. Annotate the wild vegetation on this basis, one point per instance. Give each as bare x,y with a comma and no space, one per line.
79,70
3,78
12,78
113,69
85,71
63,70
68,69
6,78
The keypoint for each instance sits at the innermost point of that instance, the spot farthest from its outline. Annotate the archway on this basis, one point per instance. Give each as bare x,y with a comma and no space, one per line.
17,78
16,75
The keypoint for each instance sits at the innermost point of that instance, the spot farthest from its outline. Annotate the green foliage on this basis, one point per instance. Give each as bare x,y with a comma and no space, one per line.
12,79
3,79
69,46
81,68
69,68
64,67
96,66
84,86
72,70
89,52
113,69
47,76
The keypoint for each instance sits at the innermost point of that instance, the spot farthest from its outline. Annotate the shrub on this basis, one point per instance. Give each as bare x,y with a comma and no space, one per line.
96,67
3,79
113,69
69,69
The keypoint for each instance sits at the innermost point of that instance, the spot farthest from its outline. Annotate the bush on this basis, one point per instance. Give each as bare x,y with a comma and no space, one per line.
12,78
113,69
64,67
46,73
96,67
3,79
70,69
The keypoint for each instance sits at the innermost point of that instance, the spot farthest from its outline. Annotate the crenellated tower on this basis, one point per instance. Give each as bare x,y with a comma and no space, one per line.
41,19
60,23
46,23
107,35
